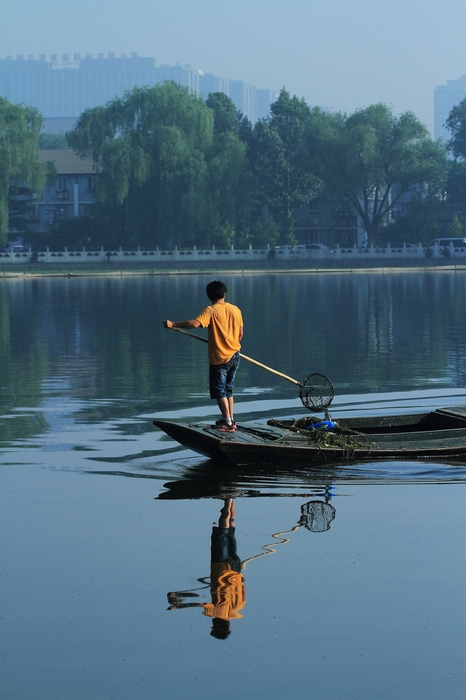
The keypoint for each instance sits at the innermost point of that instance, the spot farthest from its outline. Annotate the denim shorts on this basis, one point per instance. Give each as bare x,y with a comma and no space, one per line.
222,378
223,547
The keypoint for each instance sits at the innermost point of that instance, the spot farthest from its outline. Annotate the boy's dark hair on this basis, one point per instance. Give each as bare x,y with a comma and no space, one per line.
216,290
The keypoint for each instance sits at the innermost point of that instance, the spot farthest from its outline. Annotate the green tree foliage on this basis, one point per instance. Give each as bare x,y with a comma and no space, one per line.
424,220
456,124
226,118
175,169
284,179
228,196
19,158
372,158
456,182
169,163
457,228
53,142
266,232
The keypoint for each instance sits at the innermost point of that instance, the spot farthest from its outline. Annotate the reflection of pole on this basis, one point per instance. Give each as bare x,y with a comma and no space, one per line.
269,548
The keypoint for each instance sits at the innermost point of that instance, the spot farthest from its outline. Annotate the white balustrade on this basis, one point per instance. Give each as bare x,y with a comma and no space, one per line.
186,255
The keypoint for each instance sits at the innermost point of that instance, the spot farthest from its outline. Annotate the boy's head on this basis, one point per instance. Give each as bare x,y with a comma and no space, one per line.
220,628
216,290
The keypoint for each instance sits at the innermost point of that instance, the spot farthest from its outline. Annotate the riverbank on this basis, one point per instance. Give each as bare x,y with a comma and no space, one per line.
40,269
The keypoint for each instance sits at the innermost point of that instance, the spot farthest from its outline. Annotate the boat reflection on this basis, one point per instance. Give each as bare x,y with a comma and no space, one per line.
227,583
206,480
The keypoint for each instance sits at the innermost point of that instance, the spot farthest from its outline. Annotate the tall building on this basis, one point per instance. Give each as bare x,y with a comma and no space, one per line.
445,98
211,83
62,89
264,98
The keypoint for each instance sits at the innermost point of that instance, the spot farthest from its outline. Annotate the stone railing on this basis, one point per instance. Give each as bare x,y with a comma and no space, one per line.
180,255
145,256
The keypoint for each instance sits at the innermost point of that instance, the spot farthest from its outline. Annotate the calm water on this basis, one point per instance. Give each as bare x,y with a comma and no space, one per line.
102,515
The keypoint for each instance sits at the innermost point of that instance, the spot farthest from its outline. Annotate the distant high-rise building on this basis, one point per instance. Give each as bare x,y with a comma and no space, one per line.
211,83
264,98
244,97
62,89
183,75
445,98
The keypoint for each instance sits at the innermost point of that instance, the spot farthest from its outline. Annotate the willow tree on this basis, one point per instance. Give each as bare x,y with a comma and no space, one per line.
19,155
150,149
373,158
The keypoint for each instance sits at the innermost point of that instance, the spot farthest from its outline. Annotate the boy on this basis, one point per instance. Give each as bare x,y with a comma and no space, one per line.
225,331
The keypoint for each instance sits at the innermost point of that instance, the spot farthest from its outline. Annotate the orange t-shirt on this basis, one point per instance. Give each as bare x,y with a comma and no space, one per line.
228,592
224,322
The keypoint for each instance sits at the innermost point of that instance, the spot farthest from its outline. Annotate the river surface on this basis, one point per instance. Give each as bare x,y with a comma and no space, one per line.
353,576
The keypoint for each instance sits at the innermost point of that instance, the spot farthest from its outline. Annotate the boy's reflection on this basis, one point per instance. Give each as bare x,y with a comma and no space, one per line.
226,581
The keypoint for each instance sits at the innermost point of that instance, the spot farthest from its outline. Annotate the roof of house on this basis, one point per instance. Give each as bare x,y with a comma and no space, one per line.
67,162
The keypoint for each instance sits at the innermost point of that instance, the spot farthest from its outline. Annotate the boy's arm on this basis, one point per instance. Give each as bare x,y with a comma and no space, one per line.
192,323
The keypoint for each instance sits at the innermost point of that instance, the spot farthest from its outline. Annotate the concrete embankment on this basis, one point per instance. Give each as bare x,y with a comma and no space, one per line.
39,269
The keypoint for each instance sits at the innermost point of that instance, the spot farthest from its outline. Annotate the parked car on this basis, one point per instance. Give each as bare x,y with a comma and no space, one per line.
444,245
16,248
310,248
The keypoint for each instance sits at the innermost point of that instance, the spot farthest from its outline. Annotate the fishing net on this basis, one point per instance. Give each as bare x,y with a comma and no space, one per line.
316,392
316,516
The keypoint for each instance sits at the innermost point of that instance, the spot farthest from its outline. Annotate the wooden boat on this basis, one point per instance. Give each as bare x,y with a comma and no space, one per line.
437,434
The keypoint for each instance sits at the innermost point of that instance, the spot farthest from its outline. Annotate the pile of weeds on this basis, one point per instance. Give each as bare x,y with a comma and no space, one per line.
338,437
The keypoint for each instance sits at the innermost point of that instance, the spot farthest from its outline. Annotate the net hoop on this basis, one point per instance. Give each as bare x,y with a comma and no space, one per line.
316,516
316,392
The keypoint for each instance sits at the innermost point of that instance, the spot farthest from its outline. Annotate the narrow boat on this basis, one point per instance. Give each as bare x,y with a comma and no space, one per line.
437,434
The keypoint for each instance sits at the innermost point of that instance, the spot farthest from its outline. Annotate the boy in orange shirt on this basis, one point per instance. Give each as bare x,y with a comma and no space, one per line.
225,331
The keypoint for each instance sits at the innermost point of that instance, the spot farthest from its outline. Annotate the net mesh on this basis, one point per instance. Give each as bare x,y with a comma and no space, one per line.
316,516
316,392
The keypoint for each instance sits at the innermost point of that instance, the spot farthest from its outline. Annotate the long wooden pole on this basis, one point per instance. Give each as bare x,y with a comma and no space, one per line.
245,357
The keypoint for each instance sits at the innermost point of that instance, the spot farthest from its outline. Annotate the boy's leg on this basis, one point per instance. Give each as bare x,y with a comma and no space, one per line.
231,406
227,514
218,380
224,406
230,383
224,520
232,511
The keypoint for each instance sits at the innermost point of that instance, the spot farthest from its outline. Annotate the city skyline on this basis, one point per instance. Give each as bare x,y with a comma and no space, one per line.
340,54
63,87
254,106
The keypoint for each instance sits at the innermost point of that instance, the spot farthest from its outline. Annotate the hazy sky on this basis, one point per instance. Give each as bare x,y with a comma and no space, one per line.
341,54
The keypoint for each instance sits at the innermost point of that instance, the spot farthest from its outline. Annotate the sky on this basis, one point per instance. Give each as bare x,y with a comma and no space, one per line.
338,54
